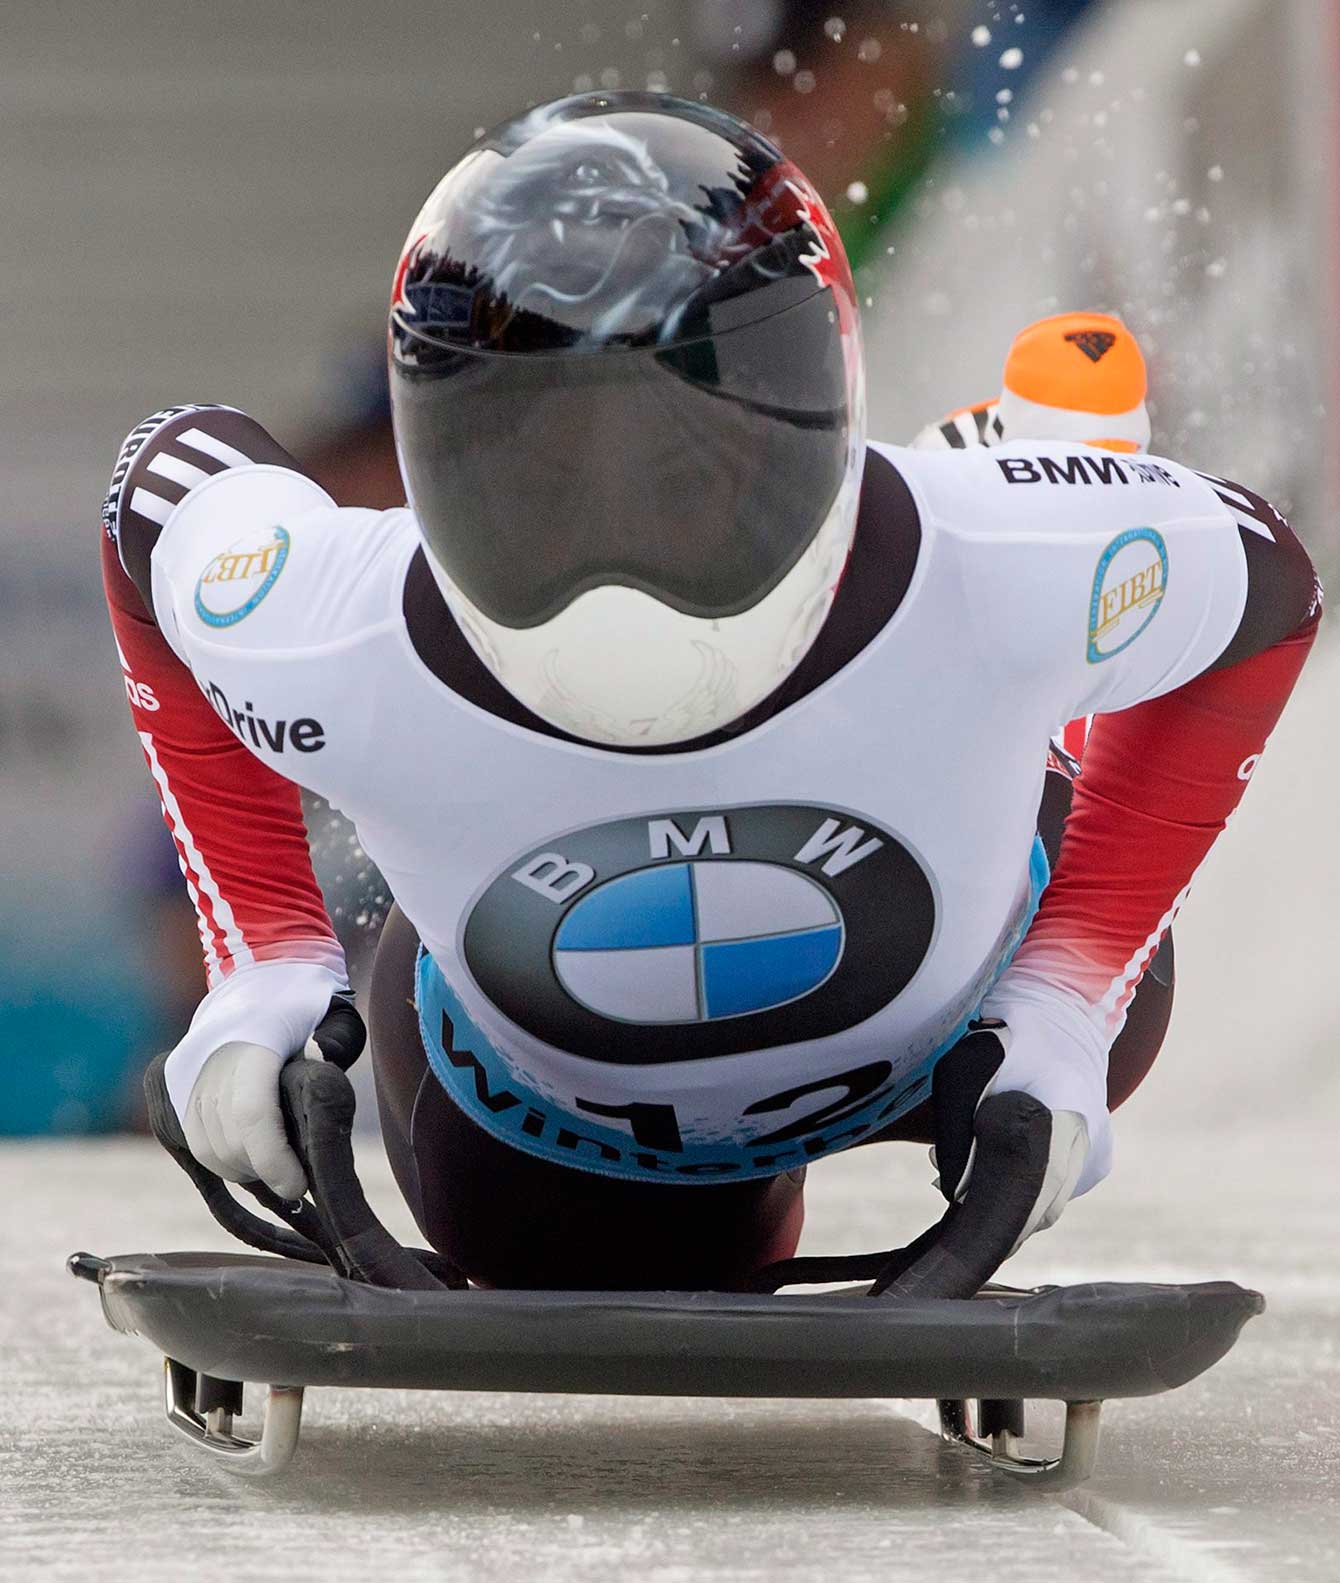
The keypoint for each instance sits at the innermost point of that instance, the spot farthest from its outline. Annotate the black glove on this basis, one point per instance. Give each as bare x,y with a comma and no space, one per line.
341,1035
957,1085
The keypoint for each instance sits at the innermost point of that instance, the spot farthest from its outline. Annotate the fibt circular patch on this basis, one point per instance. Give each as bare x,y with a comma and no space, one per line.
238,578
1128,587
698,933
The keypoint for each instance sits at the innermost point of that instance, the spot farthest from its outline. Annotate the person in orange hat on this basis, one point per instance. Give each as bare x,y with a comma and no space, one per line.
1074,376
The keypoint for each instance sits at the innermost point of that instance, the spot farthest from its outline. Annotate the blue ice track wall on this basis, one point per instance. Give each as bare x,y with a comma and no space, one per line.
75,1032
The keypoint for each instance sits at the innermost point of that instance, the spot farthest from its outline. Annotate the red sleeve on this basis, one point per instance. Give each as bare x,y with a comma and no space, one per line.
1158,784
238,827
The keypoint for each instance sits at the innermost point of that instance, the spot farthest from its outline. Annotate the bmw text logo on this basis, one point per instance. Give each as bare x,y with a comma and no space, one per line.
698,933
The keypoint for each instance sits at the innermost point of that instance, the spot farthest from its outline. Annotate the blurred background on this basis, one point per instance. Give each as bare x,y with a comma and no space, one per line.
205,203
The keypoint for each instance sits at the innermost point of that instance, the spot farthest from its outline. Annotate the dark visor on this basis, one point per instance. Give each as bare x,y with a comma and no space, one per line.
696,472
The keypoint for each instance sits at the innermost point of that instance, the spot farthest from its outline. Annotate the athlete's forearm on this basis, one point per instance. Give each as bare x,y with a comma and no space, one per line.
1159,783
238,827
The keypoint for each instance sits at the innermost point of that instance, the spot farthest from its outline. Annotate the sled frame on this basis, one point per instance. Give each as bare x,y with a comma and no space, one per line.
212,1432
998,1447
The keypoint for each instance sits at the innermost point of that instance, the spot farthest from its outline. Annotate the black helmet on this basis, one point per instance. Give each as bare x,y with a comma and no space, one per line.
627,395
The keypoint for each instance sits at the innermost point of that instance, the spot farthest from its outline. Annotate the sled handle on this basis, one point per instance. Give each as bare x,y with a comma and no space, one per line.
960,1254
340,1035
296,1243
954,1258
338,1228
318,1104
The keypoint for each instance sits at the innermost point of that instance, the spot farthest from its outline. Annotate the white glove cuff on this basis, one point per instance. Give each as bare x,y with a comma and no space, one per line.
1056,1053
273,1004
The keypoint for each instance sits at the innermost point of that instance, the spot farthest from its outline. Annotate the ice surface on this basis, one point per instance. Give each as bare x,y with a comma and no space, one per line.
1235,1477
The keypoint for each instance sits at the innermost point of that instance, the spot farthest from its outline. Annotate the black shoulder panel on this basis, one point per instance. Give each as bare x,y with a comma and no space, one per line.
1283,591
161,461
878,574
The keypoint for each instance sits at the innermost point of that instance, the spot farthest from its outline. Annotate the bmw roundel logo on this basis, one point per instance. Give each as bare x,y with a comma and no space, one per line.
690,942
698,933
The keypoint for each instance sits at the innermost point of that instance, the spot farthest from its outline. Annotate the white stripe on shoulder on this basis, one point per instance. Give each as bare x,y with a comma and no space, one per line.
966,425
178,471
1242,508
1252,524
140,436
152,506
220,450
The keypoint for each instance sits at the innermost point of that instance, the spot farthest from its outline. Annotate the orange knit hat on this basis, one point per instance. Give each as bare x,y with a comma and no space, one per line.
1076,376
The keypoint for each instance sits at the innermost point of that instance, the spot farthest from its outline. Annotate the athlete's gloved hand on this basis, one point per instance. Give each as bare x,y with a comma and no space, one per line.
233,1123
1067,1075
223,1077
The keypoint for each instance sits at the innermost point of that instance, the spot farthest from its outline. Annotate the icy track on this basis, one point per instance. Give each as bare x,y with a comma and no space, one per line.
1235,1477
1226,1168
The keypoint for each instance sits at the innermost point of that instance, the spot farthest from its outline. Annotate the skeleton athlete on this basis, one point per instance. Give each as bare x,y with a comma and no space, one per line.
703,742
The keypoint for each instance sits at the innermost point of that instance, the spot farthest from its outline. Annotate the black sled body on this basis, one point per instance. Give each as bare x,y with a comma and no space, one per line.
253,1318
335,1300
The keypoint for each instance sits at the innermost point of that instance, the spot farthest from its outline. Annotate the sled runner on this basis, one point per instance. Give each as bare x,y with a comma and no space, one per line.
335,1300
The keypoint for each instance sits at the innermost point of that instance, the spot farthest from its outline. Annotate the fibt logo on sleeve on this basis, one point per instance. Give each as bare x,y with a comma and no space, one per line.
1128,587
238,578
